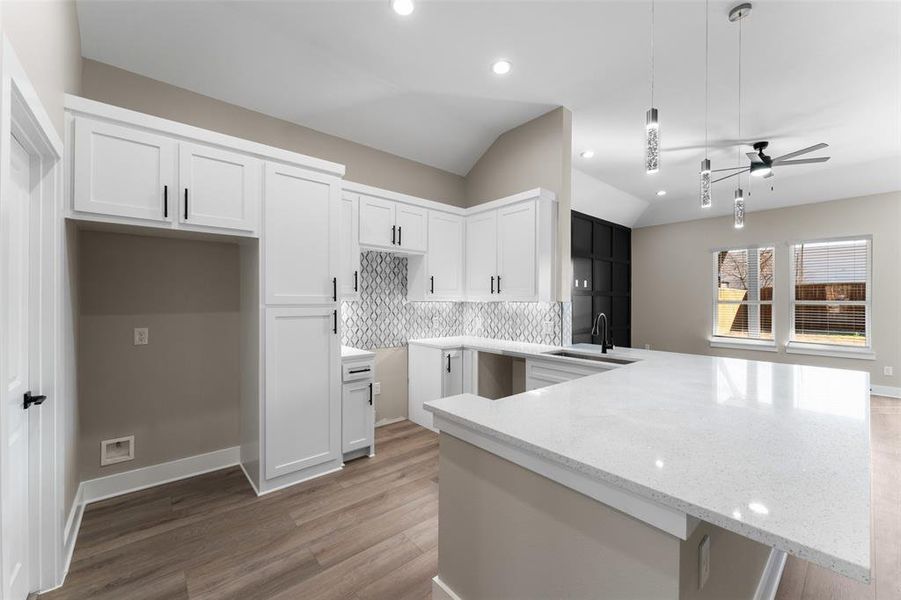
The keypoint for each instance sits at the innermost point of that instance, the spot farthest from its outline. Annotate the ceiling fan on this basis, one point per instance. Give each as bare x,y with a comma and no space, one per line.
763,166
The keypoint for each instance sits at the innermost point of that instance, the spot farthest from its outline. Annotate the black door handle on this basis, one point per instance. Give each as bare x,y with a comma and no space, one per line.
356,282
492,284
335,326
394,235
186,204
335,289
432,278
29,399
165,201
448,363
400,233
498,284
370,394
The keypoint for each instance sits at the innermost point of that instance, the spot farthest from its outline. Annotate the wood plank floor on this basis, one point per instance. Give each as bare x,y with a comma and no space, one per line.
366,533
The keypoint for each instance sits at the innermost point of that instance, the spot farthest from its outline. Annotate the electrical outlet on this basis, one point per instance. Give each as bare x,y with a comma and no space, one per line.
548,327
703,562
142,336
888,371
377,388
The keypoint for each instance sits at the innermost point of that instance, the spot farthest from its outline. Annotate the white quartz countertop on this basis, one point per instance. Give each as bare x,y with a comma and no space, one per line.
348,352
778,453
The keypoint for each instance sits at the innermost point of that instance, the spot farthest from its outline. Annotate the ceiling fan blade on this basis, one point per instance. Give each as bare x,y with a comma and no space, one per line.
753,156
728,169
800,152
732,175
804,161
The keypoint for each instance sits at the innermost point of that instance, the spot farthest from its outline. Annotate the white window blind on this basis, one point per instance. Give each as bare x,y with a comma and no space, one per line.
831,292
743,293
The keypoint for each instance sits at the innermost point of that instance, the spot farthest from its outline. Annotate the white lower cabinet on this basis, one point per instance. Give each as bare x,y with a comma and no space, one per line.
433,373
302,392
357,423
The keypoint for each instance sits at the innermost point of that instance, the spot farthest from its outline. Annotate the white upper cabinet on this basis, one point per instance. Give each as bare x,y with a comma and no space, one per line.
389,225
301,236
412,227
349,274
481,256
445,257
516,252
123,172
218,188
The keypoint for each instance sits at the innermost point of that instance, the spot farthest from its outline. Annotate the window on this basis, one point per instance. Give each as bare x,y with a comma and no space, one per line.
831,293
743,293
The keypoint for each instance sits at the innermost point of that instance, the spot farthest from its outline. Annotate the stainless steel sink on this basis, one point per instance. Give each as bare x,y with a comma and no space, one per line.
594,357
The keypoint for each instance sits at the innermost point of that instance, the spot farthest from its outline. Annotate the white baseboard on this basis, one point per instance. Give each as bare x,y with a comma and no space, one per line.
70,534
110,486
886,390
441,591
383,422
249,480
771,576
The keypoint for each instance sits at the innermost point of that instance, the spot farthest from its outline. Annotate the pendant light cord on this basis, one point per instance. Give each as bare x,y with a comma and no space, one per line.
652,53
739,96
706,75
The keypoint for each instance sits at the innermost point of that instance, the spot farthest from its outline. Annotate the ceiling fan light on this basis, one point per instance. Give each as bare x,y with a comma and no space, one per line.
760,169
652,142
738,212
706,199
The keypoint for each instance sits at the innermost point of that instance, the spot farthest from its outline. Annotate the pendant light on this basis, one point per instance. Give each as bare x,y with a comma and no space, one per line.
706,199
738,213
652,133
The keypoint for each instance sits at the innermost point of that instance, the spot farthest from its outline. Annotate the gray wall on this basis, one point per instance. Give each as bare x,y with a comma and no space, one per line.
179,394
672,277
105,83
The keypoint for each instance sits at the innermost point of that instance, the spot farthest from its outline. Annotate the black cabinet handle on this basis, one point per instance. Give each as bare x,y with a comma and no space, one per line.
400,233
165,201
498,284
335,289
186,204
394,235
355,371
492,284
448,363
36,400
432,279
356,281
370,394
335,326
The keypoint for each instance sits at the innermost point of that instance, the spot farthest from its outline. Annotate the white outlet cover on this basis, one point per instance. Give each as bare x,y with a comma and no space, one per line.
377,388
142,336
117,450
888,371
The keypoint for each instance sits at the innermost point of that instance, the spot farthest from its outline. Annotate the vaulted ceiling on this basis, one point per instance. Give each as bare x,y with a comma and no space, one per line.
421,86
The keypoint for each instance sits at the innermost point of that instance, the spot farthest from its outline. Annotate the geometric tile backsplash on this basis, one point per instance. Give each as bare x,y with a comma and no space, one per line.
384,318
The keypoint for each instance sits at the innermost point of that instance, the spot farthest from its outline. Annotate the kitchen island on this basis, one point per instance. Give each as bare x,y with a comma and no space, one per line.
609,486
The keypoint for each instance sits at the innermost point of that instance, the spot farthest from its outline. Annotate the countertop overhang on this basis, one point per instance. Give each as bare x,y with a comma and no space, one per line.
779,453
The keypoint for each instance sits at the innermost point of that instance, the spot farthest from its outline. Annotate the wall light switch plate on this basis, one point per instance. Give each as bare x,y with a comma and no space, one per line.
703,562
142,336
548,327
377,388
888,371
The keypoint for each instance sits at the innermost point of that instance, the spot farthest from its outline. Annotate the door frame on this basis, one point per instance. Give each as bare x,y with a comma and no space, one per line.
22,115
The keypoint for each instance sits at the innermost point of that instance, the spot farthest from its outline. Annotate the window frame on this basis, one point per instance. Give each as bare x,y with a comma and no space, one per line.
723,341
793,345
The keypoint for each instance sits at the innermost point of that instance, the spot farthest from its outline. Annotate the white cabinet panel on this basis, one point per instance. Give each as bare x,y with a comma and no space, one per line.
301,236
350,247
302,402
481,255
452,373
377,226
357,417
123,172
218,188
516,252
445,257
412,227
426,381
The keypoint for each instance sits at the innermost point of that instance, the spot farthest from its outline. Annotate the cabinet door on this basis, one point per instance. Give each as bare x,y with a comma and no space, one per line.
377,223
302,404
516,252
452,374
412,227
218,188
481,255
357,416
350,247
123,172
445,258
301,236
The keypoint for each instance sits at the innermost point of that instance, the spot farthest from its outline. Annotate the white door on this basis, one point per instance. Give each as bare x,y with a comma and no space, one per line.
14,250
412,227
301,236
377,226
123,172
303,396
357,416
516,252
445,258
218,188
350,246
481,256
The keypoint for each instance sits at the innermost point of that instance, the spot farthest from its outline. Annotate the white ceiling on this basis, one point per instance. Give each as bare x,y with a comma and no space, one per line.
421,86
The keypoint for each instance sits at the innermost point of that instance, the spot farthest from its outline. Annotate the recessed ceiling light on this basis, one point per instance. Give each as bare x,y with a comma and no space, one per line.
501,67
402,7
661,193
587,154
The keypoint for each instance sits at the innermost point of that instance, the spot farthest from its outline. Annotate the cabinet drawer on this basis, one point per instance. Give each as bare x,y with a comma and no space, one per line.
355,371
